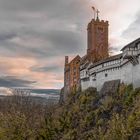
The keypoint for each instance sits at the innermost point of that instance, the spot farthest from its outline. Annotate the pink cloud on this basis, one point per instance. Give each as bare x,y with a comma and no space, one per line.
21,67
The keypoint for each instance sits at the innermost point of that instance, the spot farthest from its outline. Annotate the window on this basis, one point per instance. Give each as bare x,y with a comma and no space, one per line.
106,74
94,79
78,61
101,29
136,48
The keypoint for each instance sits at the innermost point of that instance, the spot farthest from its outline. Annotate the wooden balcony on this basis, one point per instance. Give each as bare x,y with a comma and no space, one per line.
129,54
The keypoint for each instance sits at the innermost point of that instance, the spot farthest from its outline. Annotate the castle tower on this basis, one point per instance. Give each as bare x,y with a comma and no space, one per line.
71,75
66,77
66,71
66,60
97,33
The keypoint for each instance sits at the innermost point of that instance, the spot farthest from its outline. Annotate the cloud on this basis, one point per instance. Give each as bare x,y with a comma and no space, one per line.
11,81
132,32
7,36
53,68
35,35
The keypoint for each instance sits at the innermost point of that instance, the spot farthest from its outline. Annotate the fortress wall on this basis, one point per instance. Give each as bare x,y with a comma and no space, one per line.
85,84
130,74
108,75
101,77
127,73
136,75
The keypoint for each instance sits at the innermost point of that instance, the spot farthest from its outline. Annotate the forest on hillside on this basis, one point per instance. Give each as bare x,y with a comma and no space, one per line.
85,115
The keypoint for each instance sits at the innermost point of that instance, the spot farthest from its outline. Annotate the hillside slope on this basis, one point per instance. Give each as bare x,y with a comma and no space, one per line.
90,116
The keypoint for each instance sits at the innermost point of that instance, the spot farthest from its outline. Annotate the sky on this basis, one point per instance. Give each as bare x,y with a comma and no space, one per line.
36,35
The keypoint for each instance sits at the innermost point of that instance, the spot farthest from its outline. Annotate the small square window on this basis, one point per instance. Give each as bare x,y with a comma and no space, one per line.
106,74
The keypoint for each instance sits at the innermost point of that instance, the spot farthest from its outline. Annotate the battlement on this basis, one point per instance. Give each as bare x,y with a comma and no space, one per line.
104,21
97,22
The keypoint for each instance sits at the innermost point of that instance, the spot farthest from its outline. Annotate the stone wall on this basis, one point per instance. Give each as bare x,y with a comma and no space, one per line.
125,71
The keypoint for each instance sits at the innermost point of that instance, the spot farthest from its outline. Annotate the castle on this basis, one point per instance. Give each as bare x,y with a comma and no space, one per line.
97,67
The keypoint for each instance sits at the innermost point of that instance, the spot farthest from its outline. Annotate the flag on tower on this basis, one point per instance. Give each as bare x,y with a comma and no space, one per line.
94,11
93,7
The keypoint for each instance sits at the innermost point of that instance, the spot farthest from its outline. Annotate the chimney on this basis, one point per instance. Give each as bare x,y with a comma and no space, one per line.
66,60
